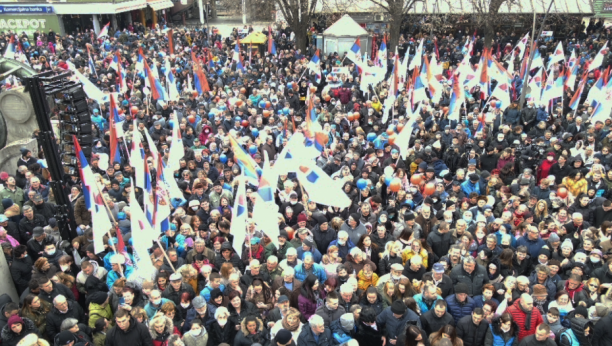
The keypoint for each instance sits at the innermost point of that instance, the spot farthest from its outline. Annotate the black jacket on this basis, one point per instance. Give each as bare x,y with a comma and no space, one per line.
377,306
57,290
175,296
367,335
218,335
55,319
21,271
136,335
26,227
34,247
323,238
600,215
471,334
440,243
9,338
475,281
430,322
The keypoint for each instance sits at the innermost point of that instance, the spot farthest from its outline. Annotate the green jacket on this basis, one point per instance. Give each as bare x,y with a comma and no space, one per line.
16,196
281,253
96,312
99,339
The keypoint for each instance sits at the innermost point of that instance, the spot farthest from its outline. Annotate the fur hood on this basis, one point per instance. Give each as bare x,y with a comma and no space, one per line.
33,340
8,335
245,331
169,327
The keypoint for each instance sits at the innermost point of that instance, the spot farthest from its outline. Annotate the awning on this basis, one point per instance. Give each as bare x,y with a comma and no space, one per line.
108,8
160,5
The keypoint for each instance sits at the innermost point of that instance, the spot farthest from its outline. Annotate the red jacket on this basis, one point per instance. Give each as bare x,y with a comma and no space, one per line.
519,317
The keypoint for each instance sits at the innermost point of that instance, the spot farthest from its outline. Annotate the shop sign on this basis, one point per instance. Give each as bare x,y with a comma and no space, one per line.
23,24
25,9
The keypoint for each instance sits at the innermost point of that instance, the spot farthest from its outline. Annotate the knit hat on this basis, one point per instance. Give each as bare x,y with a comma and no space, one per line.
474,177
14,320
544,251
215,293
308,242
567,243
7,203
281,299
539,290
581,310
398,307
347,321
302,217
553,238
600,310
198,302
355,217
409,216
65,337
97,297
554,262
283,337
283,233
461,288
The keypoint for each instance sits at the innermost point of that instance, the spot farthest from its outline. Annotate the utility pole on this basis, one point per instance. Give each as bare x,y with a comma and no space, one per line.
531,48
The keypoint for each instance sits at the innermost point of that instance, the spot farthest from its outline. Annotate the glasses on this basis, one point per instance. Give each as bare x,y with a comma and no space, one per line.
592,285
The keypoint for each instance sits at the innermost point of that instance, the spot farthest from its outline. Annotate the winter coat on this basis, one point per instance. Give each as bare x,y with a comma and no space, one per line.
39,317
471,334
474,282
392,326
421,304
218,334
459,310
96,312
551,288
440,243
496,337
323,238
354,233
234,258
519,317
196,340
329,315
316,270
55,318
137,334
10,338
367,335
575,335
21,271
175,296
377,305
602,333
244,338
246,308
306,337
306,307
384,265
430,322
162,339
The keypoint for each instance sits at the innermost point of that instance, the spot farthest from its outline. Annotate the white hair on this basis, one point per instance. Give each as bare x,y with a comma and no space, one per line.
576,215
289,272
306,255
58,298
346,288
254,263
341,234
206,269
273,259
316,320
416,259
291,252
356,251
221,311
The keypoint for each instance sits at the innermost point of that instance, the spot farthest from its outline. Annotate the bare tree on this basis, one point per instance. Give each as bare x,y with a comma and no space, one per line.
396,9
486,13
298,15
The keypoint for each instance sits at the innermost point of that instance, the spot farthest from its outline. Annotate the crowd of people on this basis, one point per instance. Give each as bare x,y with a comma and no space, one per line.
500,233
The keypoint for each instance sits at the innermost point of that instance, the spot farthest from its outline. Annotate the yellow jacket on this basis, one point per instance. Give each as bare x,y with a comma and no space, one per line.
407,254
364,283
575,187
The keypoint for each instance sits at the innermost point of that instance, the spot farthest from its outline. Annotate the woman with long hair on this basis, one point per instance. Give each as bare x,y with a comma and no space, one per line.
507,173
388,291
540,212
503,331
308,296
415,337
446,332
36,310
404,290
370,249
261,296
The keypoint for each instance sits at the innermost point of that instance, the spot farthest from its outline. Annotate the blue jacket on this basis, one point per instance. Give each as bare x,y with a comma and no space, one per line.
541,114
499,239
180,239
340,334
534,246
205,293
469,187
317,270
343,251
479,301
112,276
107,265
551,287
152,310
392,326
422,306
459,310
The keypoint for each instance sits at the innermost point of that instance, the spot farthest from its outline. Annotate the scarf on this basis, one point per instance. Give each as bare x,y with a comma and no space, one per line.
527,317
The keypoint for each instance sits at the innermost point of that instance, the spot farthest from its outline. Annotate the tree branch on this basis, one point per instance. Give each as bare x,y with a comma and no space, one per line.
379,3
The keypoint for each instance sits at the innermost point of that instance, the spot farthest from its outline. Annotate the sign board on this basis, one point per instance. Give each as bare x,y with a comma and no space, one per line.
547,33
29,23
25,9
606,7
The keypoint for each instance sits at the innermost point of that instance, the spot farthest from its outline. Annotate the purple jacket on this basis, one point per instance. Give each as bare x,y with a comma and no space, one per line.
307,308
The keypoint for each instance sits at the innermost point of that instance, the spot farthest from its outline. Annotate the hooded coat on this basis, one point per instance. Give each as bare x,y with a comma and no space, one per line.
10,338
244,338
161,339
497,337
137,334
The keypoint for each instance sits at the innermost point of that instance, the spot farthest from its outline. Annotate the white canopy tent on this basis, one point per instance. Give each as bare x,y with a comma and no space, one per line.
342,34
